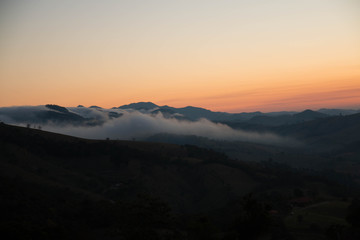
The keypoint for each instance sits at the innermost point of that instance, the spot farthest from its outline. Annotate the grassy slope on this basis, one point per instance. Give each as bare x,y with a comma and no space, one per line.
59,172
187,177
317,218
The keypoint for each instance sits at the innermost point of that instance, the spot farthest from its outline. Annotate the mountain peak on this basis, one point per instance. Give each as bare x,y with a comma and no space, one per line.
97,107
57,108
310,114
139,106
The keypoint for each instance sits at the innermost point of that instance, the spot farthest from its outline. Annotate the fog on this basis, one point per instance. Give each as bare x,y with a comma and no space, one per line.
138,125
20,114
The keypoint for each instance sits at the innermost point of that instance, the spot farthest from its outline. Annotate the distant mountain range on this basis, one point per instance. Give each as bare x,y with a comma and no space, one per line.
271,118
95,115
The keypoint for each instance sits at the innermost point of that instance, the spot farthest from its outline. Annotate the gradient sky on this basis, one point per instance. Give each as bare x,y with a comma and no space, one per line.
224,55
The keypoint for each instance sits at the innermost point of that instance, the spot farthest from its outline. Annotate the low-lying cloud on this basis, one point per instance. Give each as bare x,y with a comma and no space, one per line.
140,125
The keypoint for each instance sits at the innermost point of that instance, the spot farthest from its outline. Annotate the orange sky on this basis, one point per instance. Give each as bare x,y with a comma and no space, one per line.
223,55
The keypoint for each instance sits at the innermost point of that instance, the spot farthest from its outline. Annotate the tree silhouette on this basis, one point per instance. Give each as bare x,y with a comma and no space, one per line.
254,219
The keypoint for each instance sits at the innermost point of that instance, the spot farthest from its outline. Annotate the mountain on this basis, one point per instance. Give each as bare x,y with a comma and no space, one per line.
195,113
331,131
139,106
309,115
56,115
57,108
49,113
285,119
168,113
96,107
190,112
163,111
59,116
338,111
268,119
81,115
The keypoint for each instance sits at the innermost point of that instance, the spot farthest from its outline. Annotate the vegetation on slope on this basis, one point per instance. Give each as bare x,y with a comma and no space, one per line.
55,186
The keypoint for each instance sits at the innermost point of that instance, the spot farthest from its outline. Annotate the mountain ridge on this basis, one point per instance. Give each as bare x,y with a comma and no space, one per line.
95,115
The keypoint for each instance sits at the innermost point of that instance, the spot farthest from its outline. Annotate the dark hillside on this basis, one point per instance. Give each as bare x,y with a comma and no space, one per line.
118,169
331,131
55,186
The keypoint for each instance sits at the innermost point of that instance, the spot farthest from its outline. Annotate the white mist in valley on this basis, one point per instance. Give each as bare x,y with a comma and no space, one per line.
140,126
130,124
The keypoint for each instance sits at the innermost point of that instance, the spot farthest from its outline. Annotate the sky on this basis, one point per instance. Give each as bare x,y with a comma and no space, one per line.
228,55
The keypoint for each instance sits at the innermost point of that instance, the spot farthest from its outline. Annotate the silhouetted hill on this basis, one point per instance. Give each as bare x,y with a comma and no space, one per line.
56,186
285,119
309,115
336,137
60,117
246,120
138,167
336,130
49,113
165,112
192,113
272,120
338,111
195,113
97,107
57,108
140,106
268,119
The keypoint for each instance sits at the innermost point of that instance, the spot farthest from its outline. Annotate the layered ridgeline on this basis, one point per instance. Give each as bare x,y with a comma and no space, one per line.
323,139
55,186
95,115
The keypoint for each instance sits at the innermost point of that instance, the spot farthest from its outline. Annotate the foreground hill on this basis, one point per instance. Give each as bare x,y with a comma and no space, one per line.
188,177
55,187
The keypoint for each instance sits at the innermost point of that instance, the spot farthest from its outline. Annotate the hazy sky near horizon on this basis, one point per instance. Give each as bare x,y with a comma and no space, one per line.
228,55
